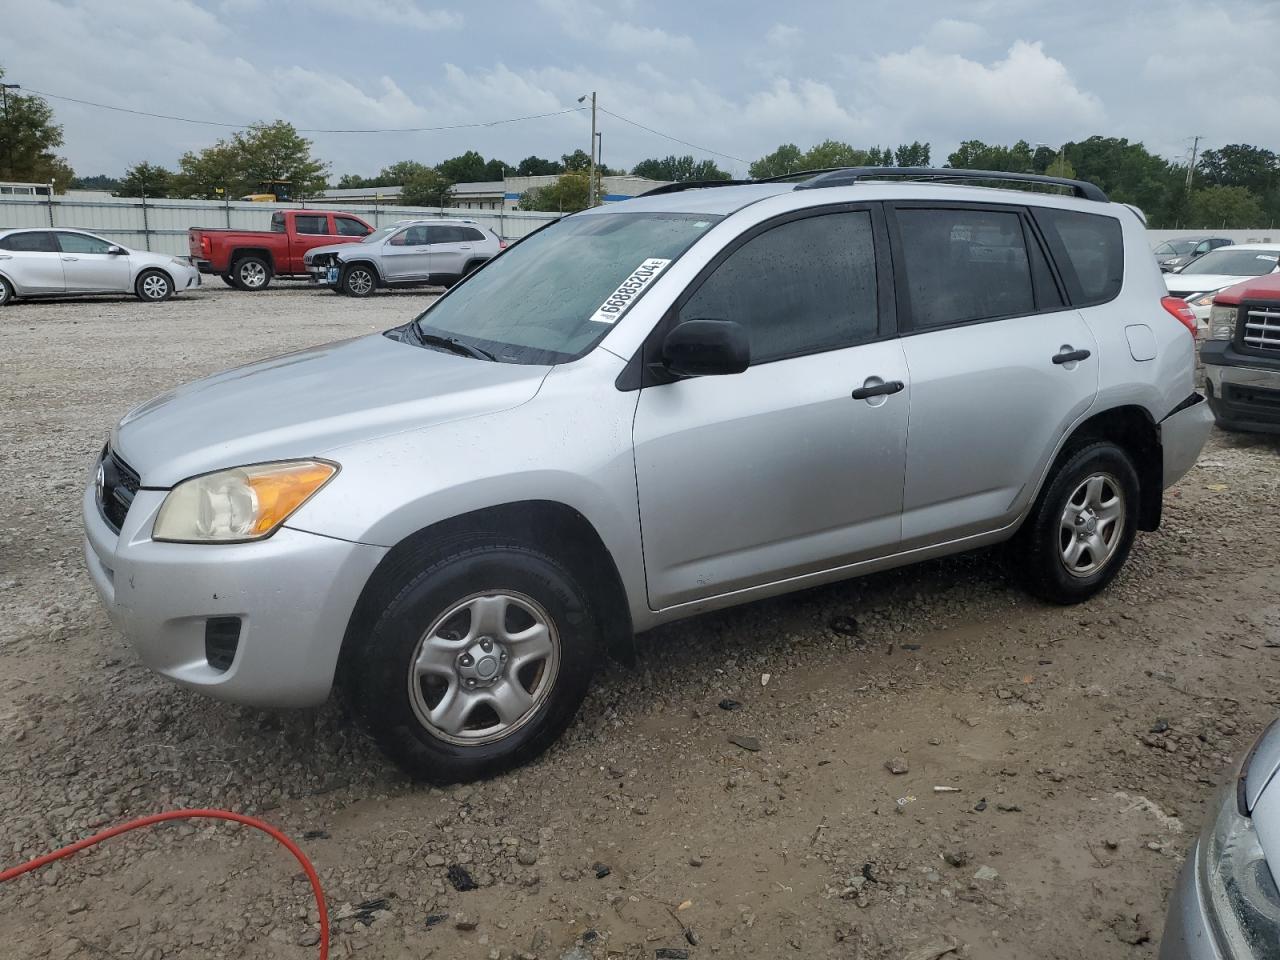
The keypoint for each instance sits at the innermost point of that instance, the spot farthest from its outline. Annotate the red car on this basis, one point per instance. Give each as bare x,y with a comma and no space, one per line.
1241,356
248,259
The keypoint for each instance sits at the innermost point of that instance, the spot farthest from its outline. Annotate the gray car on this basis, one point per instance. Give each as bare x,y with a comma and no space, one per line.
1226,905
410,253
641,412
59,263
1180,251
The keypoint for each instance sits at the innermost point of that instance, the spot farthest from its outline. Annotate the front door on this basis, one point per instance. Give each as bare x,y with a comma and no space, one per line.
987,337
32,260
407,255
780,471
88,268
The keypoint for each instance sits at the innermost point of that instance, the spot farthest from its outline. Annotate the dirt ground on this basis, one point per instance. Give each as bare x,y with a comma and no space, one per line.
1078,746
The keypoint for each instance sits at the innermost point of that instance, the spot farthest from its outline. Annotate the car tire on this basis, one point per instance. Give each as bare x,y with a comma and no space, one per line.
6,292
1082,526
153,286
358,280
229,280
473,659
251,273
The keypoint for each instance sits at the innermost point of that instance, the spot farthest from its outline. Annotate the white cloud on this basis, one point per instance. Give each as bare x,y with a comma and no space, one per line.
395,13
642,42
954,35
782,35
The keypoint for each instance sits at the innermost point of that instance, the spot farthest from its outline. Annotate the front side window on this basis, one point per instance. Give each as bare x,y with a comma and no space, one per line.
964,265
410,237
801,287
80,243
350,228
311,225
544,299
36,241
1234,262
1094,249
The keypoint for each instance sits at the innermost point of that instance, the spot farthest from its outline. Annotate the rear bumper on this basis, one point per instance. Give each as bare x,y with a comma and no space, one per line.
1182,436
204,266
1244,391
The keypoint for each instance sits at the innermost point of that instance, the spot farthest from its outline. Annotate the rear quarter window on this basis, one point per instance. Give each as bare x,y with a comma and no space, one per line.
1089,249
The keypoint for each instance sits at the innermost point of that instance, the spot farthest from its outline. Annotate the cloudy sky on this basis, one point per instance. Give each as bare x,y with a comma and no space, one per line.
733,77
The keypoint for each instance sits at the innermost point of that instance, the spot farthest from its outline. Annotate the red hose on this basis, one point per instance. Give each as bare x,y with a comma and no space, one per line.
266,828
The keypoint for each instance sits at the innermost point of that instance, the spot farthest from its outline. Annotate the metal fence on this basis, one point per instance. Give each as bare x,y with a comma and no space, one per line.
161,225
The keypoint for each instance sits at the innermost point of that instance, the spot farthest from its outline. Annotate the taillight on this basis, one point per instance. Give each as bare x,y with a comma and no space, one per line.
502,244
1182,310
206,245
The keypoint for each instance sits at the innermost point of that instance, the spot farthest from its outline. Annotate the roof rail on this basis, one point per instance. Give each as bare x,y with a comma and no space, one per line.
844,176
683,185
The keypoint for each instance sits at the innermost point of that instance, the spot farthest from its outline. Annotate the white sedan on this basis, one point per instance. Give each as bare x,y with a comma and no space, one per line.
1200,280
59,263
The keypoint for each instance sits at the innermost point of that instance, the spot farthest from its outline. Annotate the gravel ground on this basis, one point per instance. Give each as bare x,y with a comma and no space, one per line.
1081,744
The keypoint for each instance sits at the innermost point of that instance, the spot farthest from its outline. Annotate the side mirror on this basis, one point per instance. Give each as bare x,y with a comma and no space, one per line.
115,251
706,348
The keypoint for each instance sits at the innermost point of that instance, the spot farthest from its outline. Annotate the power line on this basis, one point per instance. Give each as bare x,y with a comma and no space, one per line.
727,156
241,126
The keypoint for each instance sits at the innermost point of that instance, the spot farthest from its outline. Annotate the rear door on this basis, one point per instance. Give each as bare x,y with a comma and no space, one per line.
785,470
449,250
33,261
88,268
1000,367
406,255
311,229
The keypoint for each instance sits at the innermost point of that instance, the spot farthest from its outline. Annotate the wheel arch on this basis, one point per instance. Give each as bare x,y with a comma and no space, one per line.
1132,428
239,253
363,262
152,268
553,526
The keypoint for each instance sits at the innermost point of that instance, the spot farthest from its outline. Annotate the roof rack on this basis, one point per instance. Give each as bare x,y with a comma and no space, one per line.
683,185
844,176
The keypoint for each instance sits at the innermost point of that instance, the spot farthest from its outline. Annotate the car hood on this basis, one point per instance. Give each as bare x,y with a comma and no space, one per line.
1185,283
303,404
329,248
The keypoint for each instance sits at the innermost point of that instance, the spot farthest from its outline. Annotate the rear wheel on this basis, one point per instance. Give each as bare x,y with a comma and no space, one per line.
1083,525
229,280
153,286
475,660
6,292
251,273
358,281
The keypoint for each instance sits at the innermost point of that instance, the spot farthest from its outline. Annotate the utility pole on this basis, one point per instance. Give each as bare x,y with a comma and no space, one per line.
600,151
591,187
8,134
1191,167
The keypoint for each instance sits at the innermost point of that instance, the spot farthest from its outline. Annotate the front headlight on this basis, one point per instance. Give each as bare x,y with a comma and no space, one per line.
1222,323
1244,904
244,503
1205,299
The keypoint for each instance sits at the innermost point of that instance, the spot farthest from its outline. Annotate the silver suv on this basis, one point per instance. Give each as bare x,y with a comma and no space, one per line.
685,401
409,253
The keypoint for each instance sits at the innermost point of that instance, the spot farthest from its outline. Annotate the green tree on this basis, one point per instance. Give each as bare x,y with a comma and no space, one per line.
145,179
1240,165
976,155
99,181
497,170
913,154
1042,157
538,167
213,169
423,186
1060,167
833,153
1129,173
578,160
786,159
568,194
466,168
353,181
28,138
1225,208
679,169
262,154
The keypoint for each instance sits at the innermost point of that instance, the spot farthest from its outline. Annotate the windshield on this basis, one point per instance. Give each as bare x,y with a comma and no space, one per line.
1235,262
1178,247
379,235
553,295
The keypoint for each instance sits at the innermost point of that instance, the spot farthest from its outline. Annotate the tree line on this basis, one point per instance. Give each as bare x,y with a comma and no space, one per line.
1233,186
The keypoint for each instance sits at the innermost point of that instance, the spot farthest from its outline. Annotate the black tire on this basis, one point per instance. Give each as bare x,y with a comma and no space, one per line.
6,292
227,279
251,273
358,280
390,697
1044,543
153,286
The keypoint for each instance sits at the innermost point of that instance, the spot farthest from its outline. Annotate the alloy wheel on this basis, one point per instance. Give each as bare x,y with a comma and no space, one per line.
1092,525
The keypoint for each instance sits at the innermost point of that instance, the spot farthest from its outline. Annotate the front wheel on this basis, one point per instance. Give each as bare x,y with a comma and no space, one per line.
475,663
153,286
6,292
358,281
1082,526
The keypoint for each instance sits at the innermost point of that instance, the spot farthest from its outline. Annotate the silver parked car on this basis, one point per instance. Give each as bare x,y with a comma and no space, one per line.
410,253
643,411
1180,251
44,263
1226,905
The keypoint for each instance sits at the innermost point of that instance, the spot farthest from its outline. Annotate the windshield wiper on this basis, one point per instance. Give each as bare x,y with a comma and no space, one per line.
453,344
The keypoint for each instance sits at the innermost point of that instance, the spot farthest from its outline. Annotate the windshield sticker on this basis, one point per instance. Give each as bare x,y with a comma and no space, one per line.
622,298
1267,256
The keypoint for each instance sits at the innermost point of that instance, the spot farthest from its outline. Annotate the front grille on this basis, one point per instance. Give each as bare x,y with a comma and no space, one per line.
117,486
1262,328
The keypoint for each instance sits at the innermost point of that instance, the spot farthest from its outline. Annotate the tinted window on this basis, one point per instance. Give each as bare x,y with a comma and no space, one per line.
1235,262
471,234
964,265
38,241
442,234
79,243
410,237
801,287
350,228
312,225
277,223
1094,251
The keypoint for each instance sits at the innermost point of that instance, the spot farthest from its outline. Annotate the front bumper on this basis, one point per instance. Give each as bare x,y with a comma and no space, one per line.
1187,935
293,594
1182,436
320,273
1244,391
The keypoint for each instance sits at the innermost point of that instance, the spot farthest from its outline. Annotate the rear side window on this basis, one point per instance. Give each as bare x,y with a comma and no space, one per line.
37,241
802,287
312,225
964,265
1089,250
471,234
350,228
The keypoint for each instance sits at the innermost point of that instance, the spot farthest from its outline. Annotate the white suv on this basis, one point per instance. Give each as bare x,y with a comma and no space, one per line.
680,402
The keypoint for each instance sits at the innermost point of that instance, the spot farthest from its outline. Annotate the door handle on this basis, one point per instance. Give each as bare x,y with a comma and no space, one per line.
878,390
465,247
1071,356
71,259
5,256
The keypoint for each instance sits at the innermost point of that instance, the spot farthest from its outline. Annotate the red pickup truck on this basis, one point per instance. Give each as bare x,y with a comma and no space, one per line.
248,259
